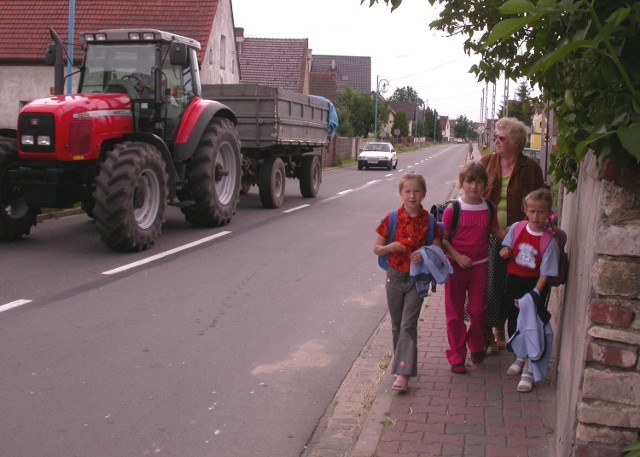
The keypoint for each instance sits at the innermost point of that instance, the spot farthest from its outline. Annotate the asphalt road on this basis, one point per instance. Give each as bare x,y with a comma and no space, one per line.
217,342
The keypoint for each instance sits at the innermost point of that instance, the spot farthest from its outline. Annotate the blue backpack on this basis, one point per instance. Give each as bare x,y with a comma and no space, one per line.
393,220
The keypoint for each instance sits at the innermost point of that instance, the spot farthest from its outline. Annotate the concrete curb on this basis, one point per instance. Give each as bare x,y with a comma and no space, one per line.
59,214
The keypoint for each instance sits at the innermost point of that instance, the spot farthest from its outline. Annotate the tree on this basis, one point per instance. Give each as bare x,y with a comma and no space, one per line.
523,107
356,112
401,122
406,94
582,54
431,121
463,128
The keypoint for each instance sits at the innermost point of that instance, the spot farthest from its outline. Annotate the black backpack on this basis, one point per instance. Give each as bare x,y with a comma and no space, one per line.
438,210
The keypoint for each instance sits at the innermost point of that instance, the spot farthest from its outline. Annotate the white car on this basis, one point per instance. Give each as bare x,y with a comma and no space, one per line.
378,154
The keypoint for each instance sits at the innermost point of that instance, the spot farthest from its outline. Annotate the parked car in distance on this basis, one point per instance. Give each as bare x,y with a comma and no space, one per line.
378,154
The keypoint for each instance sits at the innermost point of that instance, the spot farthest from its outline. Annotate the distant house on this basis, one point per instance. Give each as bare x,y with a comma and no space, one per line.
445,125
24,33
351,71
411,109
276,62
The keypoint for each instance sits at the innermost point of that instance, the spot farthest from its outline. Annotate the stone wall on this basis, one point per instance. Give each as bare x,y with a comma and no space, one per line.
598,366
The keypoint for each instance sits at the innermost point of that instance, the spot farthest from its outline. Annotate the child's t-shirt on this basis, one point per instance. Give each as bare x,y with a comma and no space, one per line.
526,261
411,232
472,235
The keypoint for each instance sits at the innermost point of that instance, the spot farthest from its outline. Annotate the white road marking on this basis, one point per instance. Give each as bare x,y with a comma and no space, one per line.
291,210
14,304
345,191
164,254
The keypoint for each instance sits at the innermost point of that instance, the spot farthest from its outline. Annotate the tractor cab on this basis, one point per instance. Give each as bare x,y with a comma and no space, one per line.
157,70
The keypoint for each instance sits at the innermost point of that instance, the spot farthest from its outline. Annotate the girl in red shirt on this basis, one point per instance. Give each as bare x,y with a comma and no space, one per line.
403,300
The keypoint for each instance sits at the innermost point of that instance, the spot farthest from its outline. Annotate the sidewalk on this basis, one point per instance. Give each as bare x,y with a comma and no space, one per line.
445,414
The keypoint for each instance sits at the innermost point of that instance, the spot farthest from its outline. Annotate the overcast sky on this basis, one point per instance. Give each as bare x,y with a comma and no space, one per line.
403,49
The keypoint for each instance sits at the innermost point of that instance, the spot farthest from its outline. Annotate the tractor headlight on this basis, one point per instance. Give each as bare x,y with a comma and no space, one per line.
44,140
27,140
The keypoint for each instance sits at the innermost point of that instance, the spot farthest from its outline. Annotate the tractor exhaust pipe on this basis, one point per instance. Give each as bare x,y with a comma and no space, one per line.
53,56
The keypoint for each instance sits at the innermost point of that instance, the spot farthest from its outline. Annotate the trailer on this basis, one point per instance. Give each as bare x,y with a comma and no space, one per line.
282,135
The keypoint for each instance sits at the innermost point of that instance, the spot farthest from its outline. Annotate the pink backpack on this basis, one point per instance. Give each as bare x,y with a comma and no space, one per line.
561,238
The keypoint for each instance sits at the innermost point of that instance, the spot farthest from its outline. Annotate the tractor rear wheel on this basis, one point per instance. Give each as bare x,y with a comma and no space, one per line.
16,216
131,197
310,176
214,176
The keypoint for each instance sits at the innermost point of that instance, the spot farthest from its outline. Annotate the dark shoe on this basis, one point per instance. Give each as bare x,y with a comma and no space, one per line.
459,368
499,338
477,357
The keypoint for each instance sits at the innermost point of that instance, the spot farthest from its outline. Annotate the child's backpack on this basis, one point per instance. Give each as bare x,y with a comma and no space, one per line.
563,258
438,210
393,221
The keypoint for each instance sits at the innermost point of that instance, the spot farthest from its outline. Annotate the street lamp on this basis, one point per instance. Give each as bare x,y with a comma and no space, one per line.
382,85
435,118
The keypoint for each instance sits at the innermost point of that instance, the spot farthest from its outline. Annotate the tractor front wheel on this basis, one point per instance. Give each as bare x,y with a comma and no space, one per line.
131,197
16,216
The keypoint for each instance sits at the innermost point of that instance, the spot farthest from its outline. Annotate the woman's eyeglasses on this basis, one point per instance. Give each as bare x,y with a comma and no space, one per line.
499,137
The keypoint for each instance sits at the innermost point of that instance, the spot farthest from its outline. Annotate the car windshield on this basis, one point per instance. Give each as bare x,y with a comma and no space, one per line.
377,147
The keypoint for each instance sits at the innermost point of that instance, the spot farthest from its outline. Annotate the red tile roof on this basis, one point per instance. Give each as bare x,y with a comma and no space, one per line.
276,62
324,84
24,24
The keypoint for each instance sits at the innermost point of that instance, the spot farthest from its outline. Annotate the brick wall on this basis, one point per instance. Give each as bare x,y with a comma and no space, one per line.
599,369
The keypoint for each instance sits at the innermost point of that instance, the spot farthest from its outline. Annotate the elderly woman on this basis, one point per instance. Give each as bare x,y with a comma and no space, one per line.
512,175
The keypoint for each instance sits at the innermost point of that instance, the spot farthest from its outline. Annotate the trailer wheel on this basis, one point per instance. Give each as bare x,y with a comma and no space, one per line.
16,216
310,176
271,182
214,176
131,197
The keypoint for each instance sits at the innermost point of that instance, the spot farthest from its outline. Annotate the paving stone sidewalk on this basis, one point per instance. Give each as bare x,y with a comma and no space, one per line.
477,414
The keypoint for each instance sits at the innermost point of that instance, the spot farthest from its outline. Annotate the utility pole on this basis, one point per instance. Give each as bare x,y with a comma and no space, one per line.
375,119
72,9
435,118
381,86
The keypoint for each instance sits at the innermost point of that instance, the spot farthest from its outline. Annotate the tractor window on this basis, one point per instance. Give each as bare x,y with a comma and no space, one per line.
120,68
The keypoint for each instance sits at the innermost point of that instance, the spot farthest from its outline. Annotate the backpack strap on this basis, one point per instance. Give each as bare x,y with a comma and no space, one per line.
518,230
431,230
455,205
492,211
547,236
393,220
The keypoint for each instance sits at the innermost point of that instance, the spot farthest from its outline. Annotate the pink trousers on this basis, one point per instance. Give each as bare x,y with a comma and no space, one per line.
463,283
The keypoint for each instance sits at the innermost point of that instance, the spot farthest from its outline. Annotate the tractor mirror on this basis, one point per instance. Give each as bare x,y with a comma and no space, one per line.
50,54
178,54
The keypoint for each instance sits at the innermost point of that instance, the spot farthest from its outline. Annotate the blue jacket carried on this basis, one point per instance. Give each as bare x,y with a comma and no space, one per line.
435,268
533,338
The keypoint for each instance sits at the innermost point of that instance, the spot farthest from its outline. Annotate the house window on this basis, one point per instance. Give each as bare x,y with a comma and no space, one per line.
223,48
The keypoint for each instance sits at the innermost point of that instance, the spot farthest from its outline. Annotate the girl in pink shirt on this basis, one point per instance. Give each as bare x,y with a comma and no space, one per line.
466,244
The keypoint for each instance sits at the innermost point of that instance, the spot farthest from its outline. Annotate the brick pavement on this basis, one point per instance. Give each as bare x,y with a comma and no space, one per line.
477,414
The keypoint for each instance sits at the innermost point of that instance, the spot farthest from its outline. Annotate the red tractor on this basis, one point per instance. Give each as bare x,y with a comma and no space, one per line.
137,136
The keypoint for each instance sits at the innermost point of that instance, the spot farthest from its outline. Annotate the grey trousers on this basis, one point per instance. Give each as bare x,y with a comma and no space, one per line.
404,309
